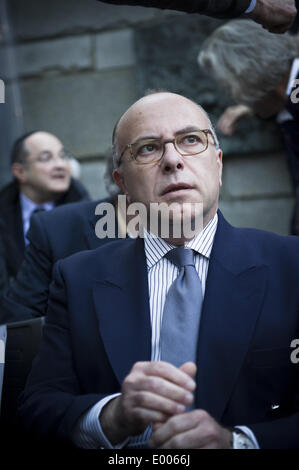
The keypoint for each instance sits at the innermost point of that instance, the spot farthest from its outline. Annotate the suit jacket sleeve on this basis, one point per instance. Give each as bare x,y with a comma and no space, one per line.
214,8
28,293
53,400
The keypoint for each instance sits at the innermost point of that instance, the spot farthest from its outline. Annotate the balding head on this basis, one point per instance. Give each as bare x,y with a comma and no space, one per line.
165,152
141,109
40,166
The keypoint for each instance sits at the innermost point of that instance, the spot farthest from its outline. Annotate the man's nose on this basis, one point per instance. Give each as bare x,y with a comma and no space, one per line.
60,162
171,160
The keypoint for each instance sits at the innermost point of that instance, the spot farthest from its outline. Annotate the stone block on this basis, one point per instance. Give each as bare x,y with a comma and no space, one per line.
93,178
256,176
36,19
273,215
80,108
114,49
58,54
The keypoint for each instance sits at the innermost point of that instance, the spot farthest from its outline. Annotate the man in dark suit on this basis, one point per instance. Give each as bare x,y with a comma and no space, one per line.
98,380
3,273
275,15
52,235
42,181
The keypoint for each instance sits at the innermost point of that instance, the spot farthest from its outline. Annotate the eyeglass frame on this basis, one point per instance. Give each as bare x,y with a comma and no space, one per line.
172,141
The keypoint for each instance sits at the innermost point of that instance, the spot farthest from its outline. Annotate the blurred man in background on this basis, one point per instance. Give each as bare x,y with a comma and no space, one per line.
3,273
42,181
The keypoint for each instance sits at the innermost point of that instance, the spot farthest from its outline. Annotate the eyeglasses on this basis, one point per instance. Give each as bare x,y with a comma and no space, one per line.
46,157
146,151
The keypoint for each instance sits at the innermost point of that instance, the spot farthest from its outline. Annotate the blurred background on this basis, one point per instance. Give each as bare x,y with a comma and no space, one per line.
72,67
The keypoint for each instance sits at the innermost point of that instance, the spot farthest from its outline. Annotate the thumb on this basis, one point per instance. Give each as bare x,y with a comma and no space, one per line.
189,368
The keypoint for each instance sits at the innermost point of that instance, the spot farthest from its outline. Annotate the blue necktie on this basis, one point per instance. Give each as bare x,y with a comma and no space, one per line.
181,314
36,211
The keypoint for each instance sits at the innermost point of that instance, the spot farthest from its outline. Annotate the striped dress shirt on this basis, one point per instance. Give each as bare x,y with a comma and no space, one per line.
161,274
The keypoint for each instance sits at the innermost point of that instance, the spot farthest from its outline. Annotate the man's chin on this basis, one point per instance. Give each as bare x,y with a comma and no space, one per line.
58,189
180,220
54,193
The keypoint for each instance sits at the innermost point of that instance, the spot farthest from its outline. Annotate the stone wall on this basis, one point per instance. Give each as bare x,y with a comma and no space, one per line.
81,63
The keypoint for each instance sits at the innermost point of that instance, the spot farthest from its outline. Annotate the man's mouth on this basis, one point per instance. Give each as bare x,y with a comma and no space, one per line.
61,176
176,188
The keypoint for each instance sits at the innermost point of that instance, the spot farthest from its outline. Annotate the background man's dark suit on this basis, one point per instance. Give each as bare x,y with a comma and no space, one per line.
53,235
11,217
250,315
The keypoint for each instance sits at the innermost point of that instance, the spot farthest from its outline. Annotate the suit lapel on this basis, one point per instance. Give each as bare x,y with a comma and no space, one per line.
14,228
90,235
234,294
122,306
19,232
92,240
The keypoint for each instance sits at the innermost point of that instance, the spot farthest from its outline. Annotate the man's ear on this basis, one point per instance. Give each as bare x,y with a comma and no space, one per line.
19,172
219,161
119,180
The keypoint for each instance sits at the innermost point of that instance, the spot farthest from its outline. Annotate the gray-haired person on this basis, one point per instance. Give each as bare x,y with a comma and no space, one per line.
259,71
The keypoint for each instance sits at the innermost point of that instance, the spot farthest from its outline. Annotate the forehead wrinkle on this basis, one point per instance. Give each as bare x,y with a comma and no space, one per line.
185,130
141,110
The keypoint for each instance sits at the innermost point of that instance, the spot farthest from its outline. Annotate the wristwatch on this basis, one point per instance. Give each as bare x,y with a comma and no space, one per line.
241,440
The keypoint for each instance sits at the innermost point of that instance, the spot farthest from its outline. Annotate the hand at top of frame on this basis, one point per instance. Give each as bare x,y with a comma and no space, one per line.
276,16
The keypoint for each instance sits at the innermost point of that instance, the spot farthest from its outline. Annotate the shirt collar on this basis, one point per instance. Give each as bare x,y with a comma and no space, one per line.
156,248
284,114
293,76
28,206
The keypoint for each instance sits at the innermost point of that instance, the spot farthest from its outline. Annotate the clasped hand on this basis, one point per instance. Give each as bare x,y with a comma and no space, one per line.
159,393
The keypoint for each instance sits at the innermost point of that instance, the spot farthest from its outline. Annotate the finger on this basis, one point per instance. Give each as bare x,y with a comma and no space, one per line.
227,129
189,368
221,127
152,401
176,425
158,386
194,438
169,372
145,417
